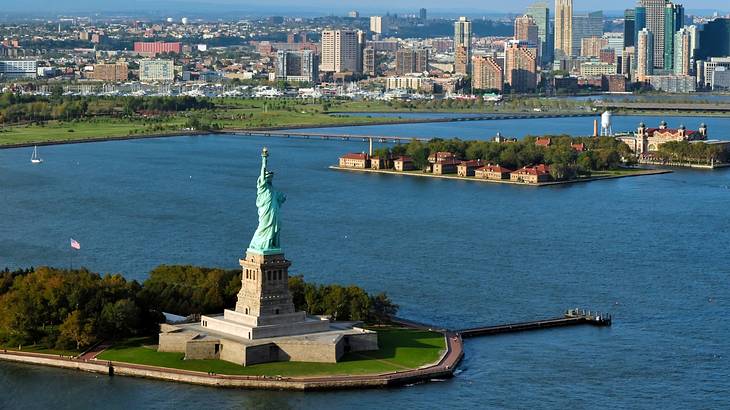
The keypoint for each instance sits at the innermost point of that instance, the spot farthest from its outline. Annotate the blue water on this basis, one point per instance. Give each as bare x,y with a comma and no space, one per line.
718,127
651,250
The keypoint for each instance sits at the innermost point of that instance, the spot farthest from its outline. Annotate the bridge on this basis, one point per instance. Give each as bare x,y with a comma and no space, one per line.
330,136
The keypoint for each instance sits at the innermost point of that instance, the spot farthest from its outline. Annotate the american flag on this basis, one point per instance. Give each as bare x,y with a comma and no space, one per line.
75,244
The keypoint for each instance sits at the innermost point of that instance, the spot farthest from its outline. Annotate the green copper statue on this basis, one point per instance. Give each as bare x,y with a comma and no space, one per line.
268,201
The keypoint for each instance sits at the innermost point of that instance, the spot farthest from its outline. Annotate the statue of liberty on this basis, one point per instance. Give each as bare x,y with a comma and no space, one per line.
266,238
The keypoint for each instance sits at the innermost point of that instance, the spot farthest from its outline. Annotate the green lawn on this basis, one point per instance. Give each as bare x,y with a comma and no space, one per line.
400,349
42,349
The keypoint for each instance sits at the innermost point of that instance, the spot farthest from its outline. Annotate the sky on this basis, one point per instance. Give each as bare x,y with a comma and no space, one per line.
290,7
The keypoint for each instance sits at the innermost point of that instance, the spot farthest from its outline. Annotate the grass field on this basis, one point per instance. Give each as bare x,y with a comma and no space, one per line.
400,349
41,349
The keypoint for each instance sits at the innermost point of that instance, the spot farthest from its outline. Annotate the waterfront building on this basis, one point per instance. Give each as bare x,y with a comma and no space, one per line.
531,174
299,66
614,83
355,160
110,72
377,162
14,69
495,172
591,46
683,52
654,11
151,49
403,164
156,70
585,26
520,67
596,68
406,82
341,51
644,55
526,30
714,40
540,12
673,83
467,168
706,70
646,140
462,46
487,74
411,60
720,79
563,29
629,27
447,166
376,24
673,21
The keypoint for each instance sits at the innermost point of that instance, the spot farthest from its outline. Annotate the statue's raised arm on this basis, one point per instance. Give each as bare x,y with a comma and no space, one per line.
268,202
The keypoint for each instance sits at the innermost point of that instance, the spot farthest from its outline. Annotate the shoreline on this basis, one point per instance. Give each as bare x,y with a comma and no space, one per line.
235,130
642,172
443,368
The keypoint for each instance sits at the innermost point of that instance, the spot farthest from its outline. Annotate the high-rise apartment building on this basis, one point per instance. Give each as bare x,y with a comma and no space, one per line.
673,21
584,26
526,30
486,74
301,66
368,61
714,40
411,60
629,27
563,29
12,69
654,12
541,13
520,66
683,52
644,55
341,51
422,15
156,70
462,46
376,24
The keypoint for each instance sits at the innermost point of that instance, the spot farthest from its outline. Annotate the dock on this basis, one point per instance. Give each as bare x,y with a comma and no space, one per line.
572,317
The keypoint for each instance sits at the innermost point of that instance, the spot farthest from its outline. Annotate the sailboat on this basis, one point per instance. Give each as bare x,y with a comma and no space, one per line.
35,159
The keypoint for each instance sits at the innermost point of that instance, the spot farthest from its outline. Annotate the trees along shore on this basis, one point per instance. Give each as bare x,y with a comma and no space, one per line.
73,309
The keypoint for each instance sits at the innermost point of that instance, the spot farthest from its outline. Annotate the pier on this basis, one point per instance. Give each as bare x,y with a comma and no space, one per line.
572,317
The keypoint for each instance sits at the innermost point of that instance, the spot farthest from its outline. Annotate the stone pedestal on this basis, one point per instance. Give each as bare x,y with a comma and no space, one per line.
264,308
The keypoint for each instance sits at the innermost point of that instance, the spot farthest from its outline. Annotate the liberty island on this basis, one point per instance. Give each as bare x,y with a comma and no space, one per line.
264,326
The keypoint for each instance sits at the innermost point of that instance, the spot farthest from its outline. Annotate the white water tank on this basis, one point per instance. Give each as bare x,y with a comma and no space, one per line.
606,123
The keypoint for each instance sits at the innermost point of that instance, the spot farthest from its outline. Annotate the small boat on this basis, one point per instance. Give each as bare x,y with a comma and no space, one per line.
35,159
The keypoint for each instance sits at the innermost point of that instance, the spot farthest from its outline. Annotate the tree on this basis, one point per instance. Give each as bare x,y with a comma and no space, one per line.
77,329
382,309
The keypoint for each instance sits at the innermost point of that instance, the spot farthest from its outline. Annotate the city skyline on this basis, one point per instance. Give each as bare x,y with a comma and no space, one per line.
290,7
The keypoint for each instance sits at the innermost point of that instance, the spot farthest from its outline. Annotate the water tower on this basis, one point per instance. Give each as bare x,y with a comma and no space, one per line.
606,124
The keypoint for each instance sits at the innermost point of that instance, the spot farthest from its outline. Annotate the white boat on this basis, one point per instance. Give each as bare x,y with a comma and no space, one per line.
35,159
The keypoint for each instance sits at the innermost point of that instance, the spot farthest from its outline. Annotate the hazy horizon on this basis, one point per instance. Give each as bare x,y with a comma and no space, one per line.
319,7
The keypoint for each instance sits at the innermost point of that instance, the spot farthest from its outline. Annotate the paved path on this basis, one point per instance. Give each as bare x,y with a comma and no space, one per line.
95,351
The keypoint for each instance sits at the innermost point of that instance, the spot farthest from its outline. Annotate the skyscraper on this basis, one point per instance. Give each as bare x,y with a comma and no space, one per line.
520,66
644,55
714,39
683,52
411,60
526,30
462,46
422,15
368,61
297,66
541,13
563,29
341,51
585,26
376,24
673,21
629,27
655,24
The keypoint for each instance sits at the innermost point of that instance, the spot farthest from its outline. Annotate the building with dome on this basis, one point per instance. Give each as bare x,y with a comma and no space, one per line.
646,140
